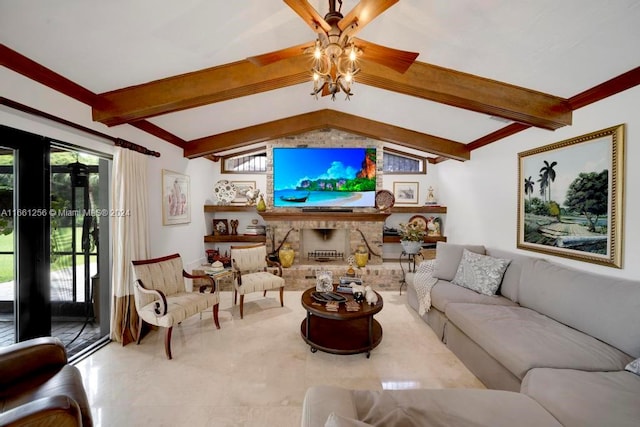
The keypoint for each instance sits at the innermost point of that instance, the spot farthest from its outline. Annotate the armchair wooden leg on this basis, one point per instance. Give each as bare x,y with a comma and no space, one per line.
215,315
241,306
139,337
264,294
235,297
282,296
167,342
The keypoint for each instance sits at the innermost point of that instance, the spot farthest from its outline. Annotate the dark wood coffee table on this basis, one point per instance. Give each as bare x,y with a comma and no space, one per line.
342,331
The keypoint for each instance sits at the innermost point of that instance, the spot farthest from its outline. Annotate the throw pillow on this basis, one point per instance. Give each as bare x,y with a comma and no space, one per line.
481,273
634,366
448,257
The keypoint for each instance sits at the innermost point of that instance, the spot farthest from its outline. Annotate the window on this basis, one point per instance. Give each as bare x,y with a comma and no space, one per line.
399,162
247,162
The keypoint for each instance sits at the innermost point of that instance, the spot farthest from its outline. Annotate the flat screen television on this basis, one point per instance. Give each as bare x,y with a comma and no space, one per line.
324,177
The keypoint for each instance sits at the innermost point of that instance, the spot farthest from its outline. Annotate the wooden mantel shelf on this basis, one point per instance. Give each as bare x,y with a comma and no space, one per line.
326,216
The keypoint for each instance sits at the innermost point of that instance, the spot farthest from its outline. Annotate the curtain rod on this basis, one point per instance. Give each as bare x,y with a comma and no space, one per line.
117,141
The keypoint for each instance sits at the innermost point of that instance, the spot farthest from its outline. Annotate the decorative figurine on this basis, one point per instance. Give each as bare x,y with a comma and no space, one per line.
252,196
261,206
431,199
350,271
358,292
433,226
370,296
234,226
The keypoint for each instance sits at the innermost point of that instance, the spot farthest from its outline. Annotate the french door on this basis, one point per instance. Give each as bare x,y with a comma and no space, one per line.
53,225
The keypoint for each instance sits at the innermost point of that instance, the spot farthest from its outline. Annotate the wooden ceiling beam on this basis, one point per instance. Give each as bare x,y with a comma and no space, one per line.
326,119
471,92
421,80
199,88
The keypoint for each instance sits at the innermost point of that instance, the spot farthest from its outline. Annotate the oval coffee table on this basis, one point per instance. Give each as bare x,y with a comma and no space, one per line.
342,331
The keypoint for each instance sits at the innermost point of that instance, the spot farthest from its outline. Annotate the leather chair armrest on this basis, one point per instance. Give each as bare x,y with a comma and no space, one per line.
29,357
161,305
59,411
201,276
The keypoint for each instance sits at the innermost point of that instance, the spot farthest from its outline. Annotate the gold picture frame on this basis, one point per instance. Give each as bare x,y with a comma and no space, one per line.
176,198
571,197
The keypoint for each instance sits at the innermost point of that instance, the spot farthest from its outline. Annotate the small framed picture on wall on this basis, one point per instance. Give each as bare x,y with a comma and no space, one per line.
406,193
176,198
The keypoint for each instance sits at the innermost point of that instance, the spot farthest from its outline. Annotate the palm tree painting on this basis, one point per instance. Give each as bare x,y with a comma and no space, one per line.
528,187
549,174
572,212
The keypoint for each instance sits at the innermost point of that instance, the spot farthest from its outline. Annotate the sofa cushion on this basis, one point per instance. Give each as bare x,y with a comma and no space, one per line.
448,256
336,420
633,366
444,293
522,339
322,400
604,307
511,279
583,399
480,273
449,407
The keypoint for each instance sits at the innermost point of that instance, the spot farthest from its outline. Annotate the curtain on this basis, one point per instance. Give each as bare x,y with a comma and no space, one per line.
130,238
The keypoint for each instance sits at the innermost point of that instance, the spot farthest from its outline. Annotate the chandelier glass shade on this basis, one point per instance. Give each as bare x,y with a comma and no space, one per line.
334,65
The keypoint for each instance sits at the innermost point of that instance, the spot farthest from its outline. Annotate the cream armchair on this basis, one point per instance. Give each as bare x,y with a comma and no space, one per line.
253,273
161,298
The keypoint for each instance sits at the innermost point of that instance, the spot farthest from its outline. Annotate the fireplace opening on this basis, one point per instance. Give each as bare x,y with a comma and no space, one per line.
324,244
325,255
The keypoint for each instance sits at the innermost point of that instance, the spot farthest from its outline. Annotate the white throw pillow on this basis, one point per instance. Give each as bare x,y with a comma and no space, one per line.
480,273
448,256
634,366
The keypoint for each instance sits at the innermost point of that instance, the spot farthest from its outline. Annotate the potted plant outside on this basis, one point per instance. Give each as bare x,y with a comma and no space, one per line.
411,237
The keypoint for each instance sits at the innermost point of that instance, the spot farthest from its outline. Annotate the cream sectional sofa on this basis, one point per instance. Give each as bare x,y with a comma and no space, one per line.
554,341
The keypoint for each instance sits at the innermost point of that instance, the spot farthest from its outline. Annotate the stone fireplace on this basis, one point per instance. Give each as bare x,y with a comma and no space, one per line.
334,236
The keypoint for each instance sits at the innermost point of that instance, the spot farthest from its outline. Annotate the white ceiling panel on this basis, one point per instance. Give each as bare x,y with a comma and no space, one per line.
557,47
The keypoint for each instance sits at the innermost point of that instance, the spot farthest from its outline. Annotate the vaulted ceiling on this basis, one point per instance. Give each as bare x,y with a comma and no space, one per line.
178,70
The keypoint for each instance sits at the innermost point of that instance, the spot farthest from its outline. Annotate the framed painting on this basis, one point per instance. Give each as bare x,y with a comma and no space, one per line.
571,196
241,191
406,192
176,199
220,227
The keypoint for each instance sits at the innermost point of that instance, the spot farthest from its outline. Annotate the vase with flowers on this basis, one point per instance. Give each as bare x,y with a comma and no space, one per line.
412,236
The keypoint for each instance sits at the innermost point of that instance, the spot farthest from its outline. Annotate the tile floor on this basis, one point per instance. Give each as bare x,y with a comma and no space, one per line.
255,371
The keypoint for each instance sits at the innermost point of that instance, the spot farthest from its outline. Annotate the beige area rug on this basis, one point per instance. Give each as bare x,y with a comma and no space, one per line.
255,371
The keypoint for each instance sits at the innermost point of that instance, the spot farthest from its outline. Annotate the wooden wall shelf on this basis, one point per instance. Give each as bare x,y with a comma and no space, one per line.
419,209
229,208
234,238
427,239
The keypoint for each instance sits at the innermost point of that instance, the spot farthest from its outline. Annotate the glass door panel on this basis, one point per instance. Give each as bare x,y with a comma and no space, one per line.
7,248
75,220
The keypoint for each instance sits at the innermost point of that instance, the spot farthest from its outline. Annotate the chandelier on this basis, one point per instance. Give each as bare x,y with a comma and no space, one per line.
334,58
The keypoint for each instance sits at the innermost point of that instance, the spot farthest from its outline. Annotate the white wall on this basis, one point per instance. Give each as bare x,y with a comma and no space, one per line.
187,239
481,194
